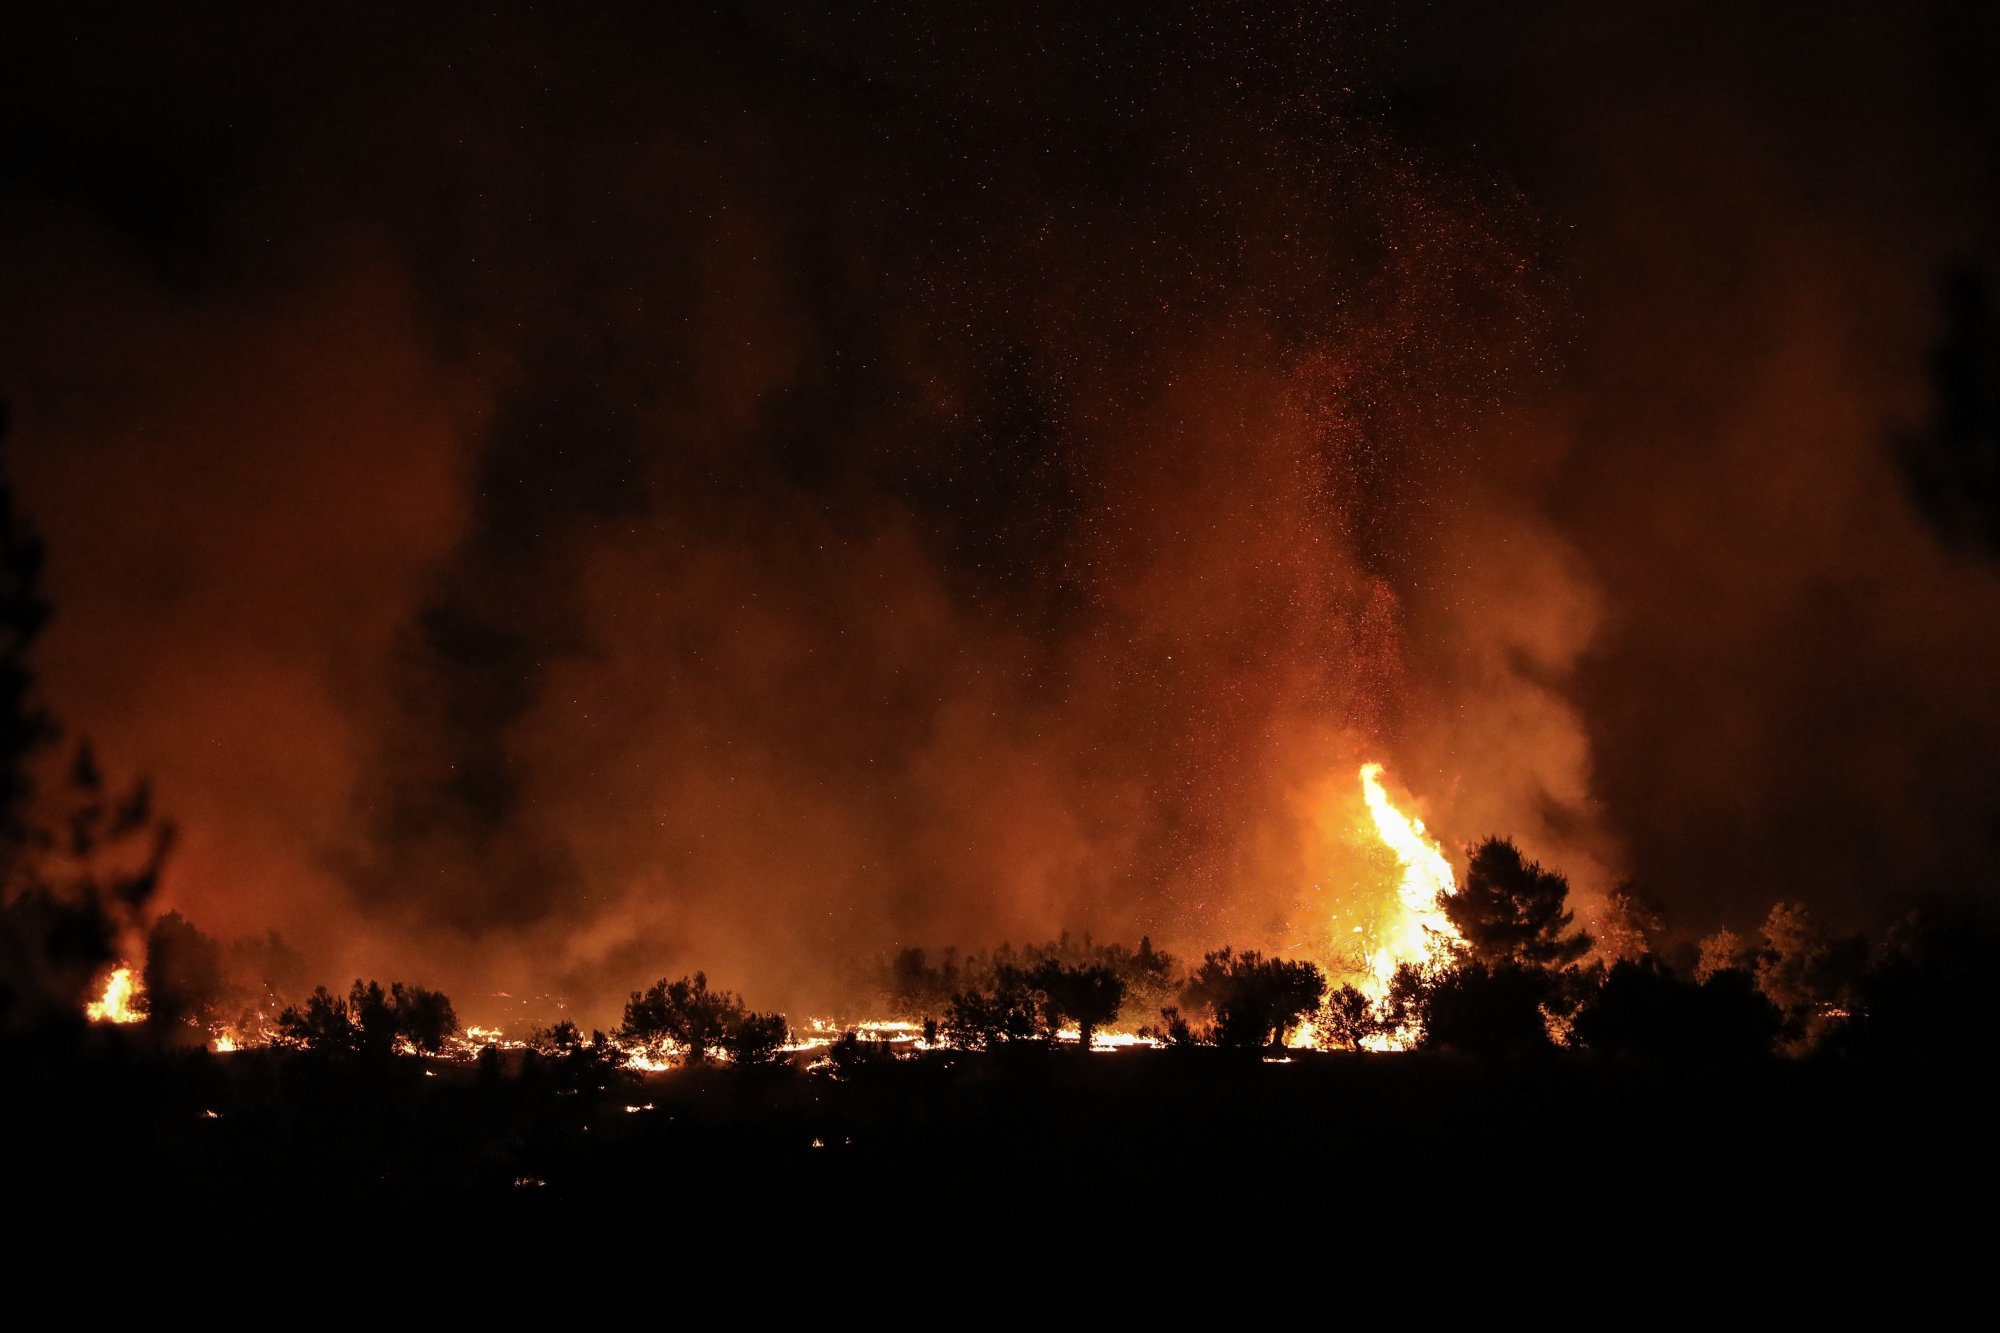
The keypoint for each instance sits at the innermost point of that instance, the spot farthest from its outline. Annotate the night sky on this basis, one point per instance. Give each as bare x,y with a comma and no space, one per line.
562,496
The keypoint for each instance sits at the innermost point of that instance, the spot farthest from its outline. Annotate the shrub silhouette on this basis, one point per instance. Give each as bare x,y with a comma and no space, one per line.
183,976
370,1021
1089,996
563,1053
323,1024
1009,1011
1929,992
915,989
685,1012
422,1017
1645,1012
754,1039
1490,1010
1254,1001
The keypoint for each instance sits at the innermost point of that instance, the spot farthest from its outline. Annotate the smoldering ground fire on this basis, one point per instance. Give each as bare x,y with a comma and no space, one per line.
758,497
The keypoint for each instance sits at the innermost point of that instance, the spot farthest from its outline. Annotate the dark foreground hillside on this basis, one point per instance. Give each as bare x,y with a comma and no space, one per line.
1039,1158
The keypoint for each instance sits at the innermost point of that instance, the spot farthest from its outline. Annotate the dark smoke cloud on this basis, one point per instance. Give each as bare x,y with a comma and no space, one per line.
553,502
1782,689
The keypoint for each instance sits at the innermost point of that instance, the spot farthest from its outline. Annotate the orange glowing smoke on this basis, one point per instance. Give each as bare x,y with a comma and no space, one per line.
116,1004
1415,928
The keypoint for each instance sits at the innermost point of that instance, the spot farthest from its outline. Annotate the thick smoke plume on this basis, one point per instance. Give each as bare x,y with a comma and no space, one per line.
557,503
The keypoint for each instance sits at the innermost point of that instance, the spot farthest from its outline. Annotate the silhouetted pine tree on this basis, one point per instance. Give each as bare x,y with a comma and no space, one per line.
1513,910
78,861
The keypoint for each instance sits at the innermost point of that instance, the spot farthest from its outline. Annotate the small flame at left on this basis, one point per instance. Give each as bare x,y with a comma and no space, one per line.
116,1004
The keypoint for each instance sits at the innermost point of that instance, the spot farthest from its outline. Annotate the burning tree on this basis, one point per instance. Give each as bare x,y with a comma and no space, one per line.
1151,979
1512,966
1634,923
1348,1020
1807,973
1724,951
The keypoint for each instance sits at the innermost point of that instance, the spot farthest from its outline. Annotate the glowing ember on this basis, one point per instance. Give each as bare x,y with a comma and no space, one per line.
1415,930
1116,1041
819,1034
116,1006
891,1032
648,1063
1107,1041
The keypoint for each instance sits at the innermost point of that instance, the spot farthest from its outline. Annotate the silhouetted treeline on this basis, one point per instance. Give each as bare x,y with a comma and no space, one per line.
1519,981
370,1021
914,988
1019,1004
1520,984
560,1054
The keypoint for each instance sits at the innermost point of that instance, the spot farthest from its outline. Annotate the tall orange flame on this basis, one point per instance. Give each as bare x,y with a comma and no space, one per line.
115,1006
1415,929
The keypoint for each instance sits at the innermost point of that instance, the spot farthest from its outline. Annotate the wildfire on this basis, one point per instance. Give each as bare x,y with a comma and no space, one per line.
116,1004
1416,929
1100,1040
1411,929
